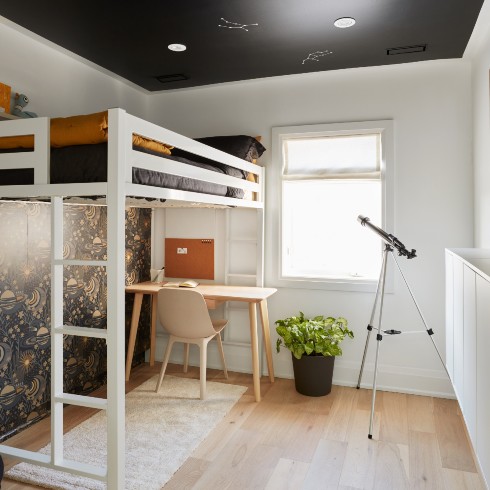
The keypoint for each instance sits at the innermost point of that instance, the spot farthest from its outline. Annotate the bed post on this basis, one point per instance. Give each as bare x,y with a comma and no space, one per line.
115,301
260,248
56,322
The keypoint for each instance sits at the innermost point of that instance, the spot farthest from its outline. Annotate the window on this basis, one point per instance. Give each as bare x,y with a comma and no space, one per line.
328,175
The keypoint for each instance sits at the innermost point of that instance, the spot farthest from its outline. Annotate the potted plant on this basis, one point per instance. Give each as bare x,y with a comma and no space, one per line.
314,343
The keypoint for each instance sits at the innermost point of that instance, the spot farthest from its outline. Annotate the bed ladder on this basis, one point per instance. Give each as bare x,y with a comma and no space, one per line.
114,471
58,330
243,279
56,459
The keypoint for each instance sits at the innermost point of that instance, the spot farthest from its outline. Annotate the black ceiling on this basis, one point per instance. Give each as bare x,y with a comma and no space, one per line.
230,40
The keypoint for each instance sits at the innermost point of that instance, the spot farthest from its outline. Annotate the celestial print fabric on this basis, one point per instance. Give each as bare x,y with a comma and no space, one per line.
25,292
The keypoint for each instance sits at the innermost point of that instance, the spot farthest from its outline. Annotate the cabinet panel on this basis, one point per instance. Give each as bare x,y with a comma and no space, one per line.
458,330
483,373
450,315
469,351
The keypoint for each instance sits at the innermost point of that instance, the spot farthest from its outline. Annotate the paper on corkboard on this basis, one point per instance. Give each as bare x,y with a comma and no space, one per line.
196,263
5,97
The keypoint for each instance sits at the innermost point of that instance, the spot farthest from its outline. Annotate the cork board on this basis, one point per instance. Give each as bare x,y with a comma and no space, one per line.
197,263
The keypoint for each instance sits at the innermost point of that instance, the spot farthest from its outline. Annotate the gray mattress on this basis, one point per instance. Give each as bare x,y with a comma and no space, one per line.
88,163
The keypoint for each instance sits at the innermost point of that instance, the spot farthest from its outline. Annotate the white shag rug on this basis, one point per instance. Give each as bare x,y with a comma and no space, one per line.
162,430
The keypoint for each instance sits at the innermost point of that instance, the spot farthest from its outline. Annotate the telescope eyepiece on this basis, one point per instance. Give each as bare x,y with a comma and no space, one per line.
362,219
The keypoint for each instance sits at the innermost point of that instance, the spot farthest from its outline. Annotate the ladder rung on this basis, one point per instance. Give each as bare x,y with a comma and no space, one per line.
82,401
27,456
83,469
93,263
99,333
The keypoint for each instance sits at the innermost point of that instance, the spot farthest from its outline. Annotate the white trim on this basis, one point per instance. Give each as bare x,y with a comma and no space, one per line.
274,209
400,379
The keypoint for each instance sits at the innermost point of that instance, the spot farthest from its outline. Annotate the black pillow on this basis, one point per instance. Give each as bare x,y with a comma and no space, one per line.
241,146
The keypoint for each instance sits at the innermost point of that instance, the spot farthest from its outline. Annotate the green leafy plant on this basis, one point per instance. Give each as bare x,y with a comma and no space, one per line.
320,336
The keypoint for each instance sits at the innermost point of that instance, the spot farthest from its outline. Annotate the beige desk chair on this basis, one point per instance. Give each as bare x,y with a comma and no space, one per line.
184,315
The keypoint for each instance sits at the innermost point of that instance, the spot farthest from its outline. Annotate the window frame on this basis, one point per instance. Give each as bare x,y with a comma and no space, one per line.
385,128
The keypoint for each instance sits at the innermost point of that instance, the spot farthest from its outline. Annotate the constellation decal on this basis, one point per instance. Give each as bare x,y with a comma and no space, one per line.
317,54
235,25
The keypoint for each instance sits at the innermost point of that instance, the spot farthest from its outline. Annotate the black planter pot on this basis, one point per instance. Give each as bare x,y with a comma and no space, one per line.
313,375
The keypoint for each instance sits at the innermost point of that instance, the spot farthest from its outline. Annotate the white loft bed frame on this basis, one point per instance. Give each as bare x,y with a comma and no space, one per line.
121,160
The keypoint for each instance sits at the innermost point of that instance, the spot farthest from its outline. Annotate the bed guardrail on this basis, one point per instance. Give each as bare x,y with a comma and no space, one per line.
122,126
39,159
135,125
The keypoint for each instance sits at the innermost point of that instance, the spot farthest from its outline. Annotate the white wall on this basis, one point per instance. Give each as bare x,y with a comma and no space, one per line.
479,53
430,104
58,84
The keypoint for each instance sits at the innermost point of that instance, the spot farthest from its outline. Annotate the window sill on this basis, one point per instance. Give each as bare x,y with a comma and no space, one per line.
347,285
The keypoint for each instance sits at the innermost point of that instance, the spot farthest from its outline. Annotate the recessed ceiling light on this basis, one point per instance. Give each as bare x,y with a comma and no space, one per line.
177,47
344,22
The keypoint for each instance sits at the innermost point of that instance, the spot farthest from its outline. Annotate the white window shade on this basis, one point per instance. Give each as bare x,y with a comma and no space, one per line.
351,156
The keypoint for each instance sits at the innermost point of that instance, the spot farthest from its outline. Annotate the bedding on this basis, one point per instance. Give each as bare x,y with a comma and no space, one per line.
241,146
86,129
91,166
79,154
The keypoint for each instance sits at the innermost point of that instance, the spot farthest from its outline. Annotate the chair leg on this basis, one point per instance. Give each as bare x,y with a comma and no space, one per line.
203,346
222,354
165,362
186,357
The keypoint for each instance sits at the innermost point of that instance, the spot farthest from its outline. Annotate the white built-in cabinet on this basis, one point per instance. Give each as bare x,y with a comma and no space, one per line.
468,342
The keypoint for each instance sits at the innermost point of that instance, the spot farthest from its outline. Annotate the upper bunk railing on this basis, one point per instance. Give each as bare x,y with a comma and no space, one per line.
122,126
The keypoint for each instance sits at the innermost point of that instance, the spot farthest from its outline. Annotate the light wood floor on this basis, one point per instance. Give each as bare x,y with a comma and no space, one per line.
290,441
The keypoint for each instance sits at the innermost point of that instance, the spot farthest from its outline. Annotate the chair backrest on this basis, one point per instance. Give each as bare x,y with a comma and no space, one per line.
184,313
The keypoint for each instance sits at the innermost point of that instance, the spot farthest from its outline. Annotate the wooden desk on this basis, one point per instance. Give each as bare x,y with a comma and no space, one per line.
214,294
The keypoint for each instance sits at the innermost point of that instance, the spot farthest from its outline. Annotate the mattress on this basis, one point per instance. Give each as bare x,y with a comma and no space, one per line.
88,163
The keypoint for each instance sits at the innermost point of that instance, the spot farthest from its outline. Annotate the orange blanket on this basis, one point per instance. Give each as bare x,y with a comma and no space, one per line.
88,129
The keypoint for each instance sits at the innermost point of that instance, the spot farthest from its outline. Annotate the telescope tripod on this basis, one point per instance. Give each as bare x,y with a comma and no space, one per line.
380,289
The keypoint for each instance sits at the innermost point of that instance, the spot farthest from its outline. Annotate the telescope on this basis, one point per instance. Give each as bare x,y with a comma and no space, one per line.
391,243
391,240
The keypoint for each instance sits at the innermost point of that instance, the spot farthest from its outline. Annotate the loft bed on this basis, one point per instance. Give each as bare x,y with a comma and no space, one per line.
125,166
79,156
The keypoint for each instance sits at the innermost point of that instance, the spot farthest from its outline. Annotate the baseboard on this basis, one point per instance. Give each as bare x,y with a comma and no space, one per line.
346,373
238,356
408,380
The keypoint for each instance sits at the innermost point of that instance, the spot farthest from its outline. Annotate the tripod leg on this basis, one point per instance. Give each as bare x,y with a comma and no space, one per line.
429,330
379,337
369,328
370,325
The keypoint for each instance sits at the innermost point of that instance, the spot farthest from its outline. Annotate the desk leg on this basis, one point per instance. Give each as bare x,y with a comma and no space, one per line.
252,310
153,332
138,298
264,316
